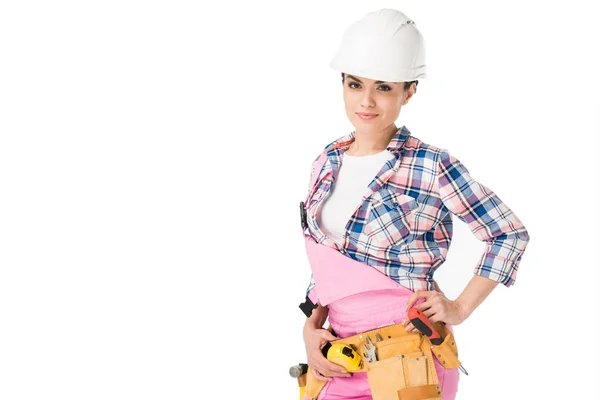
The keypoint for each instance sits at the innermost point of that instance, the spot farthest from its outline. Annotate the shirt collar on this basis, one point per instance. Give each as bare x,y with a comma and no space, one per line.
394,146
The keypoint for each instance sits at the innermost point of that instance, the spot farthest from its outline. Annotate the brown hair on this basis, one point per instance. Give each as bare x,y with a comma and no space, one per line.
406,84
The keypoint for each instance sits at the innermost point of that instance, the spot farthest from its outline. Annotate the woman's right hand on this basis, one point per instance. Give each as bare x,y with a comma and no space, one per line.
322,368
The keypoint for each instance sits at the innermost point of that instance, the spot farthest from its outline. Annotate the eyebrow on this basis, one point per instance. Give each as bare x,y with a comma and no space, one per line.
359,81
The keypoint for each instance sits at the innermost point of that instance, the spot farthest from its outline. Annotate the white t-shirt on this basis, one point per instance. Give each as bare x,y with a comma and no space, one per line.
354,177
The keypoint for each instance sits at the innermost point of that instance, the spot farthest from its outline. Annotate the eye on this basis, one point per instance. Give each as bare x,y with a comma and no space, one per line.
383,88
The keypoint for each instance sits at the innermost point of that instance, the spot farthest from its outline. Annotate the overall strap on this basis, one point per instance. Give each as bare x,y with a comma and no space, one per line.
310,302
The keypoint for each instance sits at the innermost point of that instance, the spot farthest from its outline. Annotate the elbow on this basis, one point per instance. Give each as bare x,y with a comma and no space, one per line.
518,238
522,239
524,235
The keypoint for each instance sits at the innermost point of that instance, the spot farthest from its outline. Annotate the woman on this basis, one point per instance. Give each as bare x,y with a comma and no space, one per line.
378,216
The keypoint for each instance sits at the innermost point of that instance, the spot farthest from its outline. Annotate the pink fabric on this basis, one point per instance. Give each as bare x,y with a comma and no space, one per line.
338,276
359,300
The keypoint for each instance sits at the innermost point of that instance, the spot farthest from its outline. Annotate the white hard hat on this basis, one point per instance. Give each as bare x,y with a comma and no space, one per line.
384,45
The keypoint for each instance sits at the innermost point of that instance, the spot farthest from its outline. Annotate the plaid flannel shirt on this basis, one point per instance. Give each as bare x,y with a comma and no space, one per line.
403,227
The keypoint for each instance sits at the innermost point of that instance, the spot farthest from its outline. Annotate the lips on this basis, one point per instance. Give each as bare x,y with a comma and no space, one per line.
366,116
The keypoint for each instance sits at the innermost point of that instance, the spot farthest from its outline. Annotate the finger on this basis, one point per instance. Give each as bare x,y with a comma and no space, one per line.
330,373
333,372
319,376
430,312
422,300
419,294
423,306
435,317
327,335
411,300
410,327
332,368
328,368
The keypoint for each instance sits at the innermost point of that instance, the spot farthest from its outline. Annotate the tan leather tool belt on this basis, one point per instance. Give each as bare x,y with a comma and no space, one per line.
404,369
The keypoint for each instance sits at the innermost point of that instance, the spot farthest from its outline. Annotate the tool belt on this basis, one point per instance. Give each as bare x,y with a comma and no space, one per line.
404,369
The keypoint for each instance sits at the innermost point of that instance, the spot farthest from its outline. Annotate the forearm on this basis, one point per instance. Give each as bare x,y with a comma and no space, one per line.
317,318
476,291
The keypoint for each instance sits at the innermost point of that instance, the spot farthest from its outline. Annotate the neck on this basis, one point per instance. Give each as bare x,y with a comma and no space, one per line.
365,144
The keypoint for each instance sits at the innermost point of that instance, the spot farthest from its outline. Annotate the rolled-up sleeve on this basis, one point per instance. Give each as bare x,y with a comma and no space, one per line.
487,217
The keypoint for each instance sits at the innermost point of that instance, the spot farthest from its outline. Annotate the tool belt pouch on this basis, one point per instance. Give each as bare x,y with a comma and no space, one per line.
404,370
313,385
446,352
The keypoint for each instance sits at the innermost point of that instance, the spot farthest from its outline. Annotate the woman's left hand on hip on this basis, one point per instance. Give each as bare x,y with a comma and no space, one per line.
436,307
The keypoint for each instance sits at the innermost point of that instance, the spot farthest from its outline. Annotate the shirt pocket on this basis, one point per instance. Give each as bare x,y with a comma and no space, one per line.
390,218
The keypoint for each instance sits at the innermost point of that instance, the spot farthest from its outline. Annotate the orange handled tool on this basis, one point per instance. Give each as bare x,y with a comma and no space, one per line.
422,323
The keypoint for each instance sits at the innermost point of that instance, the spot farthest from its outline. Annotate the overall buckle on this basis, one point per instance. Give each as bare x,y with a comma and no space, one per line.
303,216
307,307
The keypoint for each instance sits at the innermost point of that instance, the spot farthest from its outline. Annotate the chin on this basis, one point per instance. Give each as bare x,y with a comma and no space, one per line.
365,126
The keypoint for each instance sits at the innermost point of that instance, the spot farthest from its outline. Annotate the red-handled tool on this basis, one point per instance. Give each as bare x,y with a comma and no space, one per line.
423,324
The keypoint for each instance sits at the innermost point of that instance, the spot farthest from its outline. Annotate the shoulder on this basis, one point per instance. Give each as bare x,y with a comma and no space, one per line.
330,146
341,141
419,150
437,160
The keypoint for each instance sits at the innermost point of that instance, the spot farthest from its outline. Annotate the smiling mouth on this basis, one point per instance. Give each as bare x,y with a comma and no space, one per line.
366,116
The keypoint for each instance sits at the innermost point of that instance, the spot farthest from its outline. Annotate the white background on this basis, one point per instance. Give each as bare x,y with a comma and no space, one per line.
153,155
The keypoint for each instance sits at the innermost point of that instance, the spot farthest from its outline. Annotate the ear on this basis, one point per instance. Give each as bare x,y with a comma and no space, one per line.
409,93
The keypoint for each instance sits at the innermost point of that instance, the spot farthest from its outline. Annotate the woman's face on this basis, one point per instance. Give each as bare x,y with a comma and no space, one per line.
383,100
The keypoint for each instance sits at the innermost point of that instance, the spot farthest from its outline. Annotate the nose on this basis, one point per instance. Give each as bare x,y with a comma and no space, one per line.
367,99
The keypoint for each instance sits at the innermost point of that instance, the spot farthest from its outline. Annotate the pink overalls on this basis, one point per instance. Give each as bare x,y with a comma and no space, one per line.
359,299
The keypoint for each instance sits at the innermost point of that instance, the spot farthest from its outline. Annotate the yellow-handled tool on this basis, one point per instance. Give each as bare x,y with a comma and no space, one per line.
337,353
344,355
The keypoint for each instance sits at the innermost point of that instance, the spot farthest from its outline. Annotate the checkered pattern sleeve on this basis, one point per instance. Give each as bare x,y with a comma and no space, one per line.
487,217
311,285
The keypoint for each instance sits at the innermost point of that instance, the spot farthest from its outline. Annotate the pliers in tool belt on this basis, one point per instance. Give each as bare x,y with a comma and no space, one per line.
369,353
